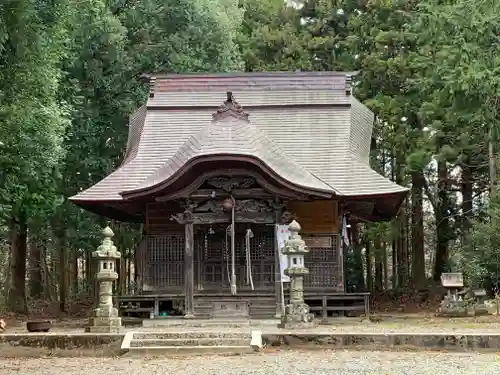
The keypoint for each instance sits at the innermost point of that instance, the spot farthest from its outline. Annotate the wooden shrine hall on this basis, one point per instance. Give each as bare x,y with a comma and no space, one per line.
217,163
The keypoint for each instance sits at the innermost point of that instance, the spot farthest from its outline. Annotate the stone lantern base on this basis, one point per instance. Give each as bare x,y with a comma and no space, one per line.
297,316
104,321
104,325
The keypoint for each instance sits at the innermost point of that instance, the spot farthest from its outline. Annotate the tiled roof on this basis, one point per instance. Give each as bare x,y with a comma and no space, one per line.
236,136
311,121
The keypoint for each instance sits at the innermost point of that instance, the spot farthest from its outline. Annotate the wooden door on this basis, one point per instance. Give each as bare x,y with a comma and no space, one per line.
213,249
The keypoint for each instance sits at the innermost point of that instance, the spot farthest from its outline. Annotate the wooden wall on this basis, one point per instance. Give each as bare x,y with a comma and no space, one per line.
158,218
316,216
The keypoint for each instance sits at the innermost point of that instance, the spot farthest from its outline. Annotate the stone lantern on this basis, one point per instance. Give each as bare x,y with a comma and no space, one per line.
105,316
297,313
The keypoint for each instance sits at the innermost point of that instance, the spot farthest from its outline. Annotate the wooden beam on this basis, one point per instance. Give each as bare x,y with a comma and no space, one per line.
236,193
215,218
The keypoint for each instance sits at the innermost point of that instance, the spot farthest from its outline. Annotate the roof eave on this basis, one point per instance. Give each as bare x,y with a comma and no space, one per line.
107,208
392,203
148,190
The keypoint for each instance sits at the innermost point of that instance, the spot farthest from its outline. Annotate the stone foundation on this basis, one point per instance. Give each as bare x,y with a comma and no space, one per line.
104,325
109,344
378,341
60,345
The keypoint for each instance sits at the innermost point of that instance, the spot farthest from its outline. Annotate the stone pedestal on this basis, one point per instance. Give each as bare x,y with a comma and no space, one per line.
105,317
453,308
297,317
453,304
480,302
297,313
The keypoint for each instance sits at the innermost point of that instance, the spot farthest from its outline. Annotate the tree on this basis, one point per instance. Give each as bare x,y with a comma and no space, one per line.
271,37
32,122
459,79
68,83
380,47
114,43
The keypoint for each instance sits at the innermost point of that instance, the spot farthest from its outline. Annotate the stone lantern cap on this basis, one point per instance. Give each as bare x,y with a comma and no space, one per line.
295,244
107,250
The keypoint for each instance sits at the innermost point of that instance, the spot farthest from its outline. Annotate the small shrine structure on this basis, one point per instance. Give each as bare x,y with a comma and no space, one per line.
214,162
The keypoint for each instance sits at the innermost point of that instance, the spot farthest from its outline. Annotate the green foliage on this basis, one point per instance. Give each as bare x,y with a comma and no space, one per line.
69,79
458,75
32,119
482,256
270,38
112,45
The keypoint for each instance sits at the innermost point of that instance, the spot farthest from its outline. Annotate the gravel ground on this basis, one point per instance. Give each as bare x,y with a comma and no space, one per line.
281,363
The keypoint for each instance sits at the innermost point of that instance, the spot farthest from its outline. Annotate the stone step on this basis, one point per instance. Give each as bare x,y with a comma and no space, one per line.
262,308
183,335
189,350
263,311
256,312
267,315
176,342
256,303
196,323
192,343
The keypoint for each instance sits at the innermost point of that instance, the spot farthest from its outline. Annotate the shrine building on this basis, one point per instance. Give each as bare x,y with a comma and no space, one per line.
217,164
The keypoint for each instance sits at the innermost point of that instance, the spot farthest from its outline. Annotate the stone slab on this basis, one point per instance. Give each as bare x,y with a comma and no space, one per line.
425,341
230,308
198,341
188,350
297,325
450,341
256,341
187,324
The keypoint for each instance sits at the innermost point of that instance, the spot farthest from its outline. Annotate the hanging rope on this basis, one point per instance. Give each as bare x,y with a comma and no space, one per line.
233,250
228,234
248,235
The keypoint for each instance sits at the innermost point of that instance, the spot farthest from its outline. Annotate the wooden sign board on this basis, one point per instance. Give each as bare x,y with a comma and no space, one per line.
452,280
324,242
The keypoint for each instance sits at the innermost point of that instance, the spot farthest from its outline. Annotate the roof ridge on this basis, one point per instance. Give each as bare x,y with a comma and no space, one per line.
161,83
230,107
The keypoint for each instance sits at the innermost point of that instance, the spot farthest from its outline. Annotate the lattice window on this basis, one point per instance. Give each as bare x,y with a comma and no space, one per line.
323,265
165,261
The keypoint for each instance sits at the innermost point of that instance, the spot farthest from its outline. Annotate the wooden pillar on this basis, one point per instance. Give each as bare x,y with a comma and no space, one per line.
277,279
340,249
277,264
189,271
